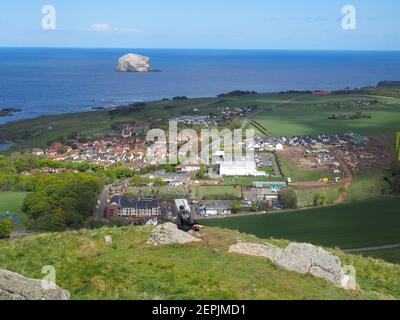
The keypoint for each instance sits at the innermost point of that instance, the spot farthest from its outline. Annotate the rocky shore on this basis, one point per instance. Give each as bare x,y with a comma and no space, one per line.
9,111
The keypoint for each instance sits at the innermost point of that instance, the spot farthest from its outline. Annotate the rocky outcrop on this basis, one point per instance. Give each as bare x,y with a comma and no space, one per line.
133,63
16,287
302,258
9,111
169,233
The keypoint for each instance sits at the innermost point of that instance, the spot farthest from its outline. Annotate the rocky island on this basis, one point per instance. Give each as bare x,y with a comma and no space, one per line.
134,63
8,111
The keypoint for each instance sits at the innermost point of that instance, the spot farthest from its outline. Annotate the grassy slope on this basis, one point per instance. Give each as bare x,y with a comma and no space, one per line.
131,269
347,226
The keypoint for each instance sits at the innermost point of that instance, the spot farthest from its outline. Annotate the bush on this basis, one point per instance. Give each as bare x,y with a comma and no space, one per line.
6,227
236,206
288,198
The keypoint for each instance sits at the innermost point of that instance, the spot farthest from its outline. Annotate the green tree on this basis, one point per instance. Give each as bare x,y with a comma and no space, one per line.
236,206
288,197
6,227
202,173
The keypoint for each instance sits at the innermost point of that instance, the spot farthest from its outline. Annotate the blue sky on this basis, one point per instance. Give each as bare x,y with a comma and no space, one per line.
239,24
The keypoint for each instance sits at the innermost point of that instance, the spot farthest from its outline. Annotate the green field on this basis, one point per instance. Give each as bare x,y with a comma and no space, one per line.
368,185
132,269
347,226
288,170
309,115
11,201
389,255
218,191
329,193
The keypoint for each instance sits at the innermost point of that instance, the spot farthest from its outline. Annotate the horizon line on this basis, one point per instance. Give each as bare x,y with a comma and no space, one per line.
219,49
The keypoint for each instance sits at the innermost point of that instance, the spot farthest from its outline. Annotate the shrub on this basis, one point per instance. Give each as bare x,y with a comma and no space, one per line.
288,198
6,227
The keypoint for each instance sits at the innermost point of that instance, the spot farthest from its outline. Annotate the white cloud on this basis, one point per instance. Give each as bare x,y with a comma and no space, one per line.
101,27
105,27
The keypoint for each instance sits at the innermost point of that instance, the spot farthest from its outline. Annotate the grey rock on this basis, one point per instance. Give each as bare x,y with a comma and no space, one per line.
169,233
133,63
301,258
16,287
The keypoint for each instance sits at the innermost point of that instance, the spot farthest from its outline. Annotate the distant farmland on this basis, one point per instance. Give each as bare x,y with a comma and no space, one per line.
348,226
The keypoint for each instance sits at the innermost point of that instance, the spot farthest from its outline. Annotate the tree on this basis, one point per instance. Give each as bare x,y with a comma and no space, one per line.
202,173
318,200
6,227
395,167
289,200
236,206
396,185
254,207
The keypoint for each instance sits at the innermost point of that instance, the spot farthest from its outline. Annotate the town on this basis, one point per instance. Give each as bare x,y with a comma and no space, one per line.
226,186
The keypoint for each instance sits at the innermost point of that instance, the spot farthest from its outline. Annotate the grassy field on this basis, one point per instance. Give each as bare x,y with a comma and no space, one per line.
132,269
218,191
11,201
309,115
306,196
347,226
289,170
369,185
389,255
293,114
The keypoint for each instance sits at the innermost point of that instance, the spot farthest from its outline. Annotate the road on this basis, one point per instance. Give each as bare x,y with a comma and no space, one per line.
98,213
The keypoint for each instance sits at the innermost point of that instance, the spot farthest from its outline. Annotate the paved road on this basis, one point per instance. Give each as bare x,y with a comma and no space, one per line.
98,213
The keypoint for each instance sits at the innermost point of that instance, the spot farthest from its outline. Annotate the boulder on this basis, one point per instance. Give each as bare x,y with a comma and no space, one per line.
133,63
301,258
16,287
169,233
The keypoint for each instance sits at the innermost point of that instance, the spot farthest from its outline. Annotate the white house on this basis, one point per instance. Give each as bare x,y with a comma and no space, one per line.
239,168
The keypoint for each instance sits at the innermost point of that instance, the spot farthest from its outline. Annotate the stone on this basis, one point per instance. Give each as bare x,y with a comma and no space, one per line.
133,63
258,250
169,233
302,258
16,287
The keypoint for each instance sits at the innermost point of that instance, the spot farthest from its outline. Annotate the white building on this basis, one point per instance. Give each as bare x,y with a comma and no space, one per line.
239,168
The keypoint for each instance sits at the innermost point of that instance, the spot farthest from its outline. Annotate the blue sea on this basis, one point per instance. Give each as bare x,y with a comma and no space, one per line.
50,81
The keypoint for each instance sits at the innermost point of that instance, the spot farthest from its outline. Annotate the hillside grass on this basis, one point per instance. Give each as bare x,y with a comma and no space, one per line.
348,226
132,269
